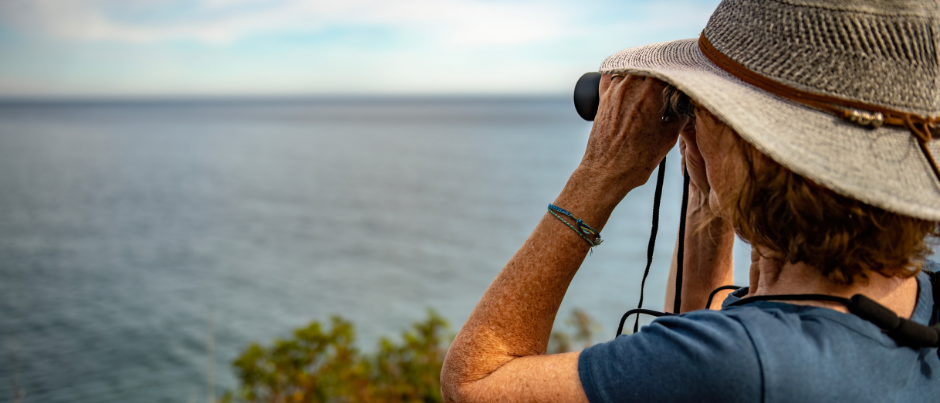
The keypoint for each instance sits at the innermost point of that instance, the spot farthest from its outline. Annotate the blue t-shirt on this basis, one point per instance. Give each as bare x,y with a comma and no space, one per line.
764,352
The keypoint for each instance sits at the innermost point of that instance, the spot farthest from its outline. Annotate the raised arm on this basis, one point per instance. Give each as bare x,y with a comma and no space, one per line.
499,354
709,239
708,259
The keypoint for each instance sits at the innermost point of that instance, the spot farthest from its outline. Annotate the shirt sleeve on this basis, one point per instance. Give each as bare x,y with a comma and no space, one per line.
700,356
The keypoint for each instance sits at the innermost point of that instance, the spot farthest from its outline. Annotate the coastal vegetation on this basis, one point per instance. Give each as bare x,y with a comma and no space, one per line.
320,363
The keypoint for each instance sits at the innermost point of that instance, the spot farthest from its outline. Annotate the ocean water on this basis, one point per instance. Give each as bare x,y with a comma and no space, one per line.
132,233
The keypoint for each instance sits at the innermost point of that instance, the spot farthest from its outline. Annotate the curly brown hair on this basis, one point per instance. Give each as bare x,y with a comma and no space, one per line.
799,220
845,239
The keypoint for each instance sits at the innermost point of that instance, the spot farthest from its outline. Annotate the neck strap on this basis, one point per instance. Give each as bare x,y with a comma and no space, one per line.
792,297
905,332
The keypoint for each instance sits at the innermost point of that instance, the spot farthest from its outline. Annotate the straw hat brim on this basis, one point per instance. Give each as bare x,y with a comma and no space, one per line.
882,167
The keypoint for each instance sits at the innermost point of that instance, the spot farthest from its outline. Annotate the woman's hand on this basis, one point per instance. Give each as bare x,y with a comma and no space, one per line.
629,137
709,239
499,357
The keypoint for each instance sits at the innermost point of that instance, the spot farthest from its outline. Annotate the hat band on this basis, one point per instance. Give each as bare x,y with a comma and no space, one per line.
856,112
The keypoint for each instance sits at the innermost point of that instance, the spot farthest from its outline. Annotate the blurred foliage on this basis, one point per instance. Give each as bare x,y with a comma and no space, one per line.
321,364
583,328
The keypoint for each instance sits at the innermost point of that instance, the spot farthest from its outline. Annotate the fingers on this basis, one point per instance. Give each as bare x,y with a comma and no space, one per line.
604,84
693,160
629,135
614,108
611,101
682,151
617,98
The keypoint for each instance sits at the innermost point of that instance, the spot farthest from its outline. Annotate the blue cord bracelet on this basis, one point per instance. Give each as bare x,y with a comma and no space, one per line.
583,230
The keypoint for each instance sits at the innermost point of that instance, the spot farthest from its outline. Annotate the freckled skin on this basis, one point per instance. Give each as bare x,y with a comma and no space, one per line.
499,354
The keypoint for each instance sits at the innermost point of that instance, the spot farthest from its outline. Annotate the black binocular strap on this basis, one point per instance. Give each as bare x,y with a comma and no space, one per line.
708,304
680,252
657,198
904,331
657,201
935,284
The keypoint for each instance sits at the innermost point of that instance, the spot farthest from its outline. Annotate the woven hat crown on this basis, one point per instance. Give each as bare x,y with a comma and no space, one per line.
844,93
878,52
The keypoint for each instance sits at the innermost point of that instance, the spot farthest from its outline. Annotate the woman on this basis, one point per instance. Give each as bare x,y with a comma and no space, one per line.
812,139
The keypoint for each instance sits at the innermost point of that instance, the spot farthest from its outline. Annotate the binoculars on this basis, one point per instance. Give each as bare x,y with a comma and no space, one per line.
587,96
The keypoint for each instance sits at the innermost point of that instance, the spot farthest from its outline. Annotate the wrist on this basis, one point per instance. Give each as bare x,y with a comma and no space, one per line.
592,197
612,186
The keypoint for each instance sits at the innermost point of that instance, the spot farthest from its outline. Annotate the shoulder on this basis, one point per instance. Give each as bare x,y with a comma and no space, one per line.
677,358
834,356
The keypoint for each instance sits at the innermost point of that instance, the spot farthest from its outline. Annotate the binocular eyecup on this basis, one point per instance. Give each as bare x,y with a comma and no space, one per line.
587,96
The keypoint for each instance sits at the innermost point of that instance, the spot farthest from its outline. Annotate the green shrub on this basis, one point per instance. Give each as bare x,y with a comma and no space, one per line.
320,364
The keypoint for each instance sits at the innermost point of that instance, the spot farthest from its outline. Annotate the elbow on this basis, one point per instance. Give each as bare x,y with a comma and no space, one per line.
451,386
465,373
461,375
449,393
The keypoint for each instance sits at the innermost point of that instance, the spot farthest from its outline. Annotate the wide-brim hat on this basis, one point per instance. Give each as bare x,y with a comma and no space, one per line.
845,93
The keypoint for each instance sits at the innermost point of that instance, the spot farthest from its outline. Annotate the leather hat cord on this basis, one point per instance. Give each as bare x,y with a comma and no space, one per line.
856,112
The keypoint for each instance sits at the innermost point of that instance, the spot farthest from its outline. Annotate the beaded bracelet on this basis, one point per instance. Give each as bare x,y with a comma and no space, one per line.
583,230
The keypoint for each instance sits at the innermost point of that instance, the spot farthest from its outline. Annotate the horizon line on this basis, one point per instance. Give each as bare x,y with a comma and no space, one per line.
237,98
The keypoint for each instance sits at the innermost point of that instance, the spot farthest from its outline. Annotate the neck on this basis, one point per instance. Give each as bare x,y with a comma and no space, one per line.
769,277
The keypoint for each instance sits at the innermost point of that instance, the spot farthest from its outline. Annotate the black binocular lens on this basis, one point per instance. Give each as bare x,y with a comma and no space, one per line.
587,96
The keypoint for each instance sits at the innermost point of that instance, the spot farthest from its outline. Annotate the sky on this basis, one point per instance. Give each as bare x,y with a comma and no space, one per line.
141,48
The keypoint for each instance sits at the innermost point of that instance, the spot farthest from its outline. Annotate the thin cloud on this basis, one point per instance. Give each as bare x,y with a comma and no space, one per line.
222,22
132,47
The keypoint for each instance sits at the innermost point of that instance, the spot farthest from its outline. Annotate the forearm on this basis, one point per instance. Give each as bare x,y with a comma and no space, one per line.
514,317
708,258
499,353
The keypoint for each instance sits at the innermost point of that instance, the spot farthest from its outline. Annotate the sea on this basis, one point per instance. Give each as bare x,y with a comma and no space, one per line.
145,243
